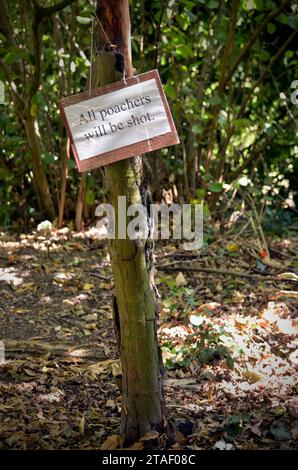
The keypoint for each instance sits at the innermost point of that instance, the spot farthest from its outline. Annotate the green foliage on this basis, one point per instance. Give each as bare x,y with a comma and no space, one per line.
232,128
201,340
235,424
206,344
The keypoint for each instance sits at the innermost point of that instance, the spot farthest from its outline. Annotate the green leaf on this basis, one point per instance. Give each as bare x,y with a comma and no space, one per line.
197,129
83,19
206,355
169,90
230,362
215,187
206,177
206,213
271,28
200,193
215,100
240,123
293,22
15,54
90,197
33,110
185,50
49,158
183,20
283,18
38,99
212,4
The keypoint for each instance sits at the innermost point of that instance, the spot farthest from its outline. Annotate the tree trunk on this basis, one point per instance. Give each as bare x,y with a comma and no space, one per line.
135,306
80,203
64,156
31,126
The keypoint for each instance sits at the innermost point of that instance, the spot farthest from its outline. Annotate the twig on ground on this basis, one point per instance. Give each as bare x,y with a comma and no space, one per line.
172,267
100,276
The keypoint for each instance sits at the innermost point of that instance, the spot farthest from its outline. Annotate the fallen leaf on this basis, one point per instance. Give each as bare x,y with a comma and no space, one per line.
232,247
90,317
149,436
180,280
251,376
112,442
223,445
208,308
82,424
256,428
88,286
280,431
278,411
116,369
110,403
293,407
100,367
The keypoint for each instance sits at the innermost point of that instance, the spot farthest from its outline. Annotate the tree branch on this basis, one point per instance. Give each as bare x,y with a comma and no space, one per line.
266,72
39,14
257,152
7,29
44,12
222,272
229,44
245,51
223,65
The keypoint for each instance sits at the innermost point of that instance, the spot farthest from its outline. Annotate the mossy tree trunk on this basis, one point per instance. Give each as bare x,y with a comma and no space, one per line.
39,174
135,303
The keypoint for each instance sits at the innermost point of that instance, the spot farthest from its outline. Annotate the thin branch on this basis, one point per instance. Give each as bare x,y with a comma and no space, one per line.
229,44
245,51
223,66
7,29
257,152
266,72
44,12
39,14
222,272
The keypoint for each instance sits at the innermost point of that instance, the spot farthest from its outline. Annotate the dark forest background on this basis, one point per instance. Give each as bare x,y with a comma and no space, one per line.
228,69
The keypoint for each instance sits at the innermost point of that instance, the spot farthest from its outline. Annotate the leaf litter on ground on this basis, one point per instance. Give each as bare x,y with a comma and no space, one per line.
229,347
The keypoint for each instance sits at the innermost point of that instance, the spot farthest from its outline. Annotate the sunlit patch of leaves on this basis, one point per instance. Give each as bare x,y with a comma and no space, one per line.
205,343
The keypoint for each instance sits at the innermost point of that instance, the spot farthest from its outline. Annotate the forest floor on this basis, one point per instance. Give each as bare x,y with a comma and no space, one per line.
229,343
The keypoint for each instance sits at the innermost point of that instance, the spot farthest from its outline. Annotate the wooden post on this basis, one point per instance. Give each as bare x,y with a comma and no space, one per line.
135,304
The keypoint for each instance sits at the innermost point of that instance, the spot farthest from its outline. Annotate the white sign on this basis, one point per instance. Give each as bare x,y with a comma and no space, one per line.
119,121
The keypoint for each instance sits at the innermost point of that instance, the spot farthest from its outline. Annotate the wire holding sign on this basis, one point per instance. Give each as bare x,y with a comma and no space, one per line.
118,121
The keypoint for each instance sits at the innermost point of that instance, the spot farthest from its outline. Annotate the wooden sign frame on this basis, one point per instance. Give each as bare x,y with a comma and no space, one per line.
148,145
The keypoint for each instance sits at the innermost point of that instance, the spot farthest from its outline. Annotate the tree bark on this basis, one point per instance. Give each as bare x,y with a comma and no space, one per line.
31,126
64,156
80,203
135,309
